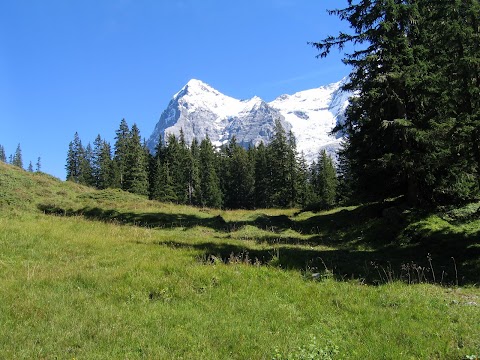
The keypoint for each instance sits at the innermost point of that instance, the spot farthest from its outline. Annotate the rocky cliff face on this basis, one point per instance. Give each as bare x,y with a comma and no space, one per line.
202,111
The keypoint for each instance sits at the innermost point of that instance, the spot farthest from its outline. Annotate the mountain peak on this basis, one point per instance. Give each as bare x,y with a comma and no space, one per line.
195,83
200,110
194,86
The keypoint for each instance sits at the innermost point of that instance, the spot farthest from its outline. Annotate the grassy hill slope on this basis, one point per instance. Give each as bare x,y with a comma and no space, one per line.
107,274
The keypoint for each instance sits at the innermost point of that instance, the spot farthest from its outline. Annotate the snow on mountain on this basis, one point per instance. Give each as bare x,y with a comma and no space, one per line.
313,114
200,110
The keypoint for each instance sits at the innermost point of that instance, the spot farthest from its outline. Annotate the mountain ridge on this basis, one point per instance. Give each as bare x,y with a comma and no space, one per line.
200,110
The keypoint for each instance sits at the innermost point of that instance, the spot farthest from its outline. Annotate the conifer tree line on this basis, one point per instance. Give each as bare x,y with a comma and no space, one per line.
273,175
16,159
413,128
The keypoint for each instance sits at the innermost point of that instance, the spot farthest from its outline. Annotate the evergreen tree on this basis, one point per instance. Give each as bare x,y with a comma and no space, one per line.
135,178
239,177
210,193
156,186
17,157
279,165
410,127
3,157
162,187
155,170
223,170
102,164
86,171
167,192
122,140
183,171
30,167
79,160
326,183
345,177
38,165
303,187
71,166
453,50
249,166
177,156
262,177
187,172
96,166
194,190
292,164
75,157
107,170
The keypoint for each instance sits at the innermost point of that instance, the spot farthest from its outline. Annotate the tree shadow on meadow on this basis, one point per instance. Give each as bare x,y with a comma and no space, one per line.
147,220
412,265
365,243
360,227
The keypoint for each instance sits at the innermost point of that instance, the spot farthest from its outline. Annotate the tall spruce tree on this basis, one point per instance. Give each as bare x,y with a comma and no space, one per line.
249,177
292,164
75,156
262,177
167,191
135,178
414,79
156,186
107,170
3,157
326,181
345,177
86,176
194,190
185,164
189,175
38,165
303,187
177,155
96,166
70,166
238,177
162,188
102,166
378,78
210,192
17,157
155,170
122,140
279,165
454,49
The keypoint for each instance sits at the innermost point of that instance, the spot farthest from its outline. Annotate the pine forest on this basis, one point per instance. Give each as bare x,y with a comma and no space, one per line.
232,177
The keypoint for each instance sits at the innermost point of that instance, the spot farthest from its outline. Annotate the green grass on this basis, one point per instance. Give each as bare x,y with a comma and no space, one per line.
103,274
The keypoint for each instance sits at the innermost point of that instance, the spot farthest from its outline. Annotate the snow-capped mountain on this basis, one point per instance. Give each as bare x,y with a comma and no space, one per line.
313,114
200,110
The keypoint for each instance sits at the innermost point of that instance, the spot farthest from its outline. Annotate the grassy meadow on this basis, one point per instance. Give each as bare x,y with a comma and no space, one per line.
88,274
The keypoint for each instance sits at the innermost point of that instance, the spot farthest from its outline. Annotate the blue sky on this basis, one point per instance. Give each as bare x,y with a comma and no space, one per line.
68,66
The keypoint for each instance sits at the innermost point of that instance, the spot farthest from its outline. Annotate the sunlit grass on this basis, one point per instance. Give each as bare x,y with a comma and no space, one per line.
76,288
113,275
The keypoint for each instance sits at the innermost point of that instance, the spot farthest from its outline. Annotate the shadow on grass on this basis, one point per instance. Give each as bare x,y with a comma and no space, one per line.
367,243
148,220
364,226
361,226
411,265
